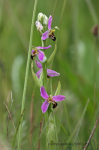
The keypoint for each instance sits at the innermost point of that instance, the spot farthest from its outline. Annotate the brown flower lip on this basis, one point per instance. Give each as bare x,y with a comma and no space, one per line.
54,105
52,36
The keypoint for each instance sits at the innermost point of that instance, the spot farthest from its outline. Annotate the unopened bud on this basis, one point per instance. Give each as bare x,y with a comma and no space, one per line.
45,20
39,26
42,18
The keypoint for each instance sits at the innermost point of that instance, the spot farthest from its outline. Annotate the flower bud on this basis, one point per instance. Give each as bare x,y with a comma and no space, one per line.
42,18
45,20
39,26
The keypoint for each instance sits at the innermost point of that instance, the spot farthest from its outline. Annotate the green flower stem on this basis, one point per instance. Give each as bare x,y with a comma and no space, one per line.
27,72
44,68
51,86
45,74
45,85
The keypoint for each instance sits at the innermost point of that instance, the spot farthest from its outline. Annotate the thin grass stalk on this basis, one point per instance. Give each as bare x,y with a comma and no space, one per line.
90,137
54,8
94,99
67,117
27,72
10,116
95,72
92,11
93,143
61,126
82,119
17,130
31,117
63,9
95,61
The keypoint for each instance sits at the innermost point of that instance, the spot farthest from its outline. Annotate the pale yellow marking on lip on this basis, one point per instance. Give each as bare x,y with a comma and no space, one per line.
51,32
50,99
35,52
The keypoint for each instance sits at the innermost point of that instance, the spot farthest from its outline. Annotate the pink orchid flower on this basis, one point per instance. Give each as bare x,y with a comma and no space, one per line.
49,99
50,32
39,53
50,73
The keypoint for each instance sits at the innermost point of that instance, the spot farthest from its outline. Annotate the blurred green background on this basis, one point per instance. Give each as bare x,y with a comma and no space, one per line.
77,60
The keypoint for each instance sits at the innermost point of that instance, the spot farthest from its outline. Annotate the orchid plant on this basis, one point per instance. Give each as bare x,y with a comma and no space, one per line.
42,22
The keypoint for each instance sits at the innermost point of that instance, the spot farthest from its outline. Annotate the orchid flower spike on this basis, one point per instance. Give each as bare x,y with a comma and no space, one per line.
50,32
39,53
50,73
49,99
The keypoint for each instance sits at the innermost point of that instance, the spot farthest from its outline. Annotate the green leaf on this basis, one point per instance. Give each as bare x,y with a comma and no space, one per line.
62,126
58,88
52,55
37,81
41,78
